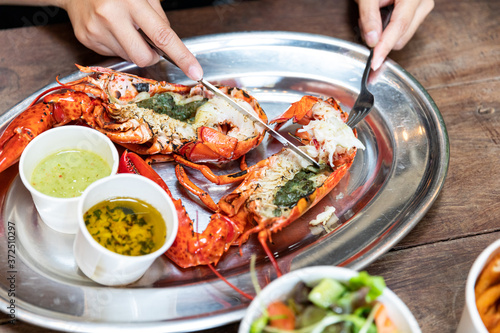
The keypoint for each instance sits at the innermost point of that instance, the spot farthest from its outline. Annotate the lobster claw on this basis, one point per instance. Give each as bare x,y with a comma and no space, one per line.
56,110
190,248
211,146
21,131
298,111
132,163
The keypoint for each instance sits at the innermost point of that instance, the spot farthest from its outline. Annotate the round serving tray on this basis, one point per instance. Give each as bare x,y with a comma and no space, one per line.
389,188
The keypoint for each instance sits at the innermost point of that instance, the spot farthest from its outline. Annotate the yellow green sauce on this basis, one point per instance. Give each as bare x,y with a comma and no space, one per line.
67,173
126,226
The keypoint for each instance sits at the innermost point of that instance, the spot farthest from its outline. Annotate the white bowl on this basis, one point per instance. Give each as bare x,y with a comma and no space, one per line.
107,267
280,289
60,213
470,321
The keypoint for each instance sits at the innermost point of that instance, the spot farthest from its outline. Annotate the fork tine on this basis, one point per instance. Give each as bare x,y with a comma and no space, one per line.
364,102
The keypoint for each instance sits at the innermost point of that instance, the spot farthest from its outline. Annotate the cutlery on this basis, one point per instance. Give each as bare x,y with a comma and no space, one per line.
238,107
365,100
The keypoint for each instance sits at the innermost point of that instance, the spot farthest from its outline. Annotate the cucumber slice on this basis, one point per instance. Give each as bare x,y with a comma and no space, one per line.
326,293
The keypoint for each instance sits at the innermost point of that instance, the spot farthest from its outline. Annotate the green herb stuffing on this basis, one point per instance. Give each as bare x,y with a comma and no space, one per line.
164,103
300,186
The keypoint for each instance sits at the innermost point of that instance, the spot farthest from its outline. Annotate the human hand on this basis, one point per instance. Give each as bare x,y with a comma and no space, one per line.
406,18
109,27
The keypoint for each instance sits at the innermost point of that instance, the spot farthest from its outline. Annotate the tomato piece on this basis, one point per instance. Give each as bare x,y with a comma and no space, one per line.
281,316
383,322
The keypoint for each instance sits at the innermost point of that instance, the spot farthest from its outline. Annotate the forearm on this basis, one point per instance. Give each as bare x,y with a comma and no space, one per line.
57,3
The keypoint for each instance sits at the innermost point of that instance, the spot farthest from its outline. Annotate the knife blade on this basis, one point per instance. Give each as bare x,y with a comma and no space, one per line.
256,119
234,104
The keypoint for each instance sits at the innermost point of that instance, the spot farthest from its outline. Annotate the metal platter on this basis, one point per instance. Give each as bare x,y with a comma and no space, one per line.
389,188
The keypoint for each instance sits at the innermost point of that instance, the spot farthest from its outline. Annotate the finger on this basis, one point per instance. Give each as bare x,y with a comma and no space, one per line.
159,9
101,49
101,40
397,27
166,39
105,50
370,21
385,3
422,11
111,49
135,47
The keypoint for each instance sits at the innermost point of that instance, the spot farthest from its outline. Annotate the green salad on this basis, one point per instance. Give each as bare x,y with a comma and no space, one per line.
329,306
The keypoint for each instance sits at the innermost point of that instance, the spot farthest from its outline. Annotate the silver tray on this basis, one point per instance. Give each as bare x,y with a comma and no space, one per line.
389,188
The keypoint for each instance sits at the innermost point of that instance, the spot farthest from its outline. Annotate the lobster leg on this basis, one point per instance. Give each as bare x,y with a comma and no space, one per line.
191,187
205,170
263,236
159,158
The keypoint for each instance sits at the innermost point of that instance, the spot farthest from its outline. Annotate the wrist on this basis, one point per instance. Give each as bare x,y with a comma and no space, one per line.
56,3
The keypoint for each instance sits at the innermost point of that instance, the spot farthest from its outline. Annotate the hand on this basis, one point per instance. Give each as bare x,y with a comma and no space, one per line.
109,27
406,18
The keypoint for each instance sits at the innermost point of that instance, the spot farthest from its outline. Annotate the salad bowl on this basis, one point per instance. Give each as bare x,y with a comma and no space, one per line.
281,288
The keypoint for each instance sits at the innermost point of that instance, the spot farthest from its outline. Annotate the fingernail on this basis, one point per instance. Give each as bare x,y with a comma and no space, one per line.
195,73
376,63
371,38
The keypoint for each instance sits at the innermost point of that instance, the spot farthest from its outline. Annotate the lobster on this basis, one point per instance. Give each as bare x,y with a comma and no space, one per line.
143,115
273,193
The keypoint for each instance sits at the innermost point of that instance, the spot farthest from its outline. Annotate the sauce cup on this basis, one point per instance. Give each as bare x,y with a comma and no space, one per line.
105,266
60,213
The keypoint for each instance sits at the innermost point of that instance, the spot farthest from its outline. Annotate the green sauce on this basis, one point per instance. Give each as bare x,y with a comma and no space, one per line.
300,186
164,103
67,173
126,226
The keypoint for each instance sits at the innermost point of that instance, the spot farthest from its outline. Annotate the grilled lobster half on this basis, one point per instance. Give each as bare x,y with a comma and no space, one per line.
274,192
146,116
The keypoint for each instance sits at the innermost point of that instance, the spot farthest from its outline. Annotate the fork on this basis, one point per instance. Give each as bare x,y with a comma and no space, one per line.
364,102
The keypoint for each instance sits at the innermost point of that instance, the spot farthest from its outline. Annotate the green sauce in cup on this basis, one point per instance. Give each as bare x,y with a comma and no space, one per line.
67,173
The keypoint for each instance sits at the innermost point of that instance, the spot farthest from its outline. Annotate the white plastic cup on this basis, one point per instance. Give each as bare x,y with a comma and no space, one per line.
470,321
107,267
60,213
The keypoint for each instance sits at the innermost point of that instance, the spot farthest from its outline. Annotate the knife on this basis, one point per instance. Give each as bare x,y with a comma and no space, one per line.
235,105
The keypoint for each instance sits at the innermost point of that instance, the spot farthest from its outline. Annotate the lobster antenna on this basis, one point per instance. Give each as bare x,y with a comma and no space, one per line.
241,292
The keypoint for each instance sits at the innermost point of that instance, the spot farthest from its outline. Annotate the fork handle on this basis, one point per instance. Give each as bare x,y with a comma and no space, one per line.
386,13
366,72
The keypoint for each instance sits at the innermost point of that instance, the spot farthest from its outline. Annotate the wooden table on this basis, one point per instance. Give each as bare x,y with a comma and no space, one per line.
455,55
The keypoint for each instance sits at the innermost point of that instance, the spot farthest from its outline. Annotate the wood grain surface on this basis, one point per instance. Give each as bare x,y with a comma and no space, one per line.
455,55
